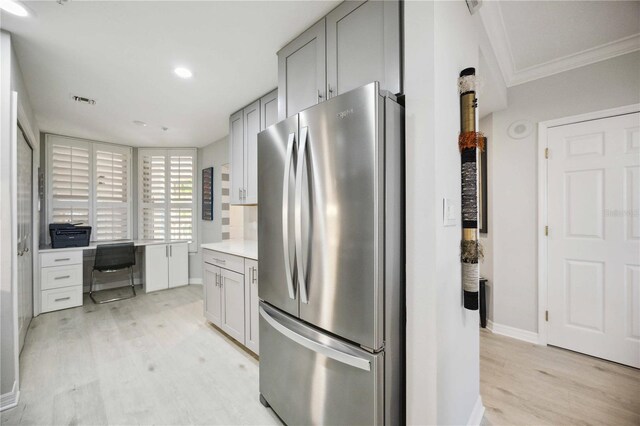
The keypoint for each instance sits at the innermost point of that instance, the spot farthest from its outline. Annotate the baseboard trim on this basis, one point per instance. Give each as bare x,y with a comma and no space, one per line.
196,281
10,399
475,419
514,333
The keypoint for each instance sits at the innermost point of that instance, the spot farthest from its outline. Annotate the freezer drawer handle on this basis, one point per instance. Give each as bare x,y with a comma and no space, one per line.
335,354
304,298
285,216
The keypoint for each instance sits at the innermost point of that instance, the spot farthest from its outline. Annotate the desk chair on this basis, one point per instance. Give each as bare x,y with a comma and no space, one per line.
112,258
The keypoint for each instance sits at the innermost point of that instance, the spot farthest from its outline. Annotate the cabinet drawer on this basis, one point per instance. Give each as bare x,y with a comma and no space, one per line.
224,260
61,298
61,276
60,259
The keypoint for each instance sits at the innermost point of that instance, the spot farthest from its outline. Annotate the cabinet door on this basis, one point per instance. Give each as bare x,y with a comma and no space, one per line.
236,141
251,305
212,294
269,109
251,130
156,267
178,264
363,45
233,304
301,72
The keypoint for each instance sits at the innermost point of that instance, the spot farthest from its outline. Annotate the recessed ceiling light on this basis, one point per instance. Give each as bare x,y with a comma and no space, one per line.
140,123
183,72
14,7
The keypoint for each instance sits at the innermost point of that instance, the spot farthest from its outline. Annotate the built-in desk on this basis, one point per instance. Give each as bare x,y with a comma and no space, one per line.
61,271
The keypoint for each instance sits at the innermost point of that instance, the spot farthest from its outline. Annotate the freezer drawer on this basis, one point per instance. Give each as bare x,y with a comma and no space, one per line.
309,377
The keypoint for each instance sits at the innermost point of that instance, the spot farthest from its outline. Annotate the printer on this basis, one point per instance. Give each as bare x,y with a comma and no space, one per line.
69,235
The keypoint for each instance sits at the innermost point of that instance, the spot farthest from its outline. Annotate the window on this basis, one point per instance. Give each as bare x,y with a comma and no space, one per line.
167,184
89,182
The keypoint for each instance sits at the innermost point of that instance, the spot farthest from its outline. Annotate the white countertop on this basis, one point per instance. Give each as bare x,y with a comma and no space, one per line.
92,246
243,248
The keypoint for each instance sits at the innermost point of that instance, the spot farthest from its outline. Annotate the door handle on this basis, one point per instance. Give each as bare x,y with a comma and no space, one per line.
62,259
320,96
298,215
166,251
330,92
216,279
64,277
171,251
63,298
285,215
329,352
253,276
240,193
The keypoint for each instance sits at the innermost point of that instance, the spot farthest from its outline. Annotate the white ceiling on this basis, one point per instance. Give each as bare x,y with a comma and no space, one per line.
534,39
122,54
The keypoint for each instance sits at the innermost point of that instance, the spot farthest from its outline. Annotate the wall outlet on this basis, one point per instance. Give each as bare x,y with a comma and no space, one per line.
449,213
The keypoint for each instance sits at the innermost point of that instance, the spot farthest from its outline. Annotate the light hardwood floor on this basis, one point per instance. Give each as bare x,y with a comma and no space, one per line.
527,384
148,360
154,360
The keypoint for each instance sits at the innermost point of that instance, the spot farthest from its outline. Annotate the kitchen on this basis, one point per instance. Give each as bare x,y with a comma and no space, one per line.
225,212
214,223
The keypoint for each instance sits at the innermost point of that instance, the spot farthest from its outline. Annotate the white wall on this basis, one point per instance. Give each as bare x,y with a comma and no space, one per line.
213,155
486,266
513,188
441,39
10,80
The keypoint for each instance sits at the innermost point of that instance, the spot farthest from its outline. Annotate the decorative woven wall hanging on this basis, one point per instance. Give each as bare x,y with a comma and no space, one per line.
469,142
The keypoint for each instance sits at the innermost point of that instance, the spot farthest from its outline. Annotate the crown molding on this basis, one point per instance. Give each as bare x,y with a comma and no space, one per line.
577,60
493,21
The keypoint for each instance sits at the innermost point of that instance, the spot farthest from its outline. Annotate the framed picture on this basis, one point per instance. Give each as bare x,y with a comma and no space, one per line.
207,193
482,189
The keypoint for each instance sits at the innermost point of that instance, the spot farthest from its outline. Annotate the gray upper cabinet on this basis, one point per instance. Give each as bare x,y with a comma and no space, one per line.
269,109
251,130
301,72
244,127
356,43
236,141
363,45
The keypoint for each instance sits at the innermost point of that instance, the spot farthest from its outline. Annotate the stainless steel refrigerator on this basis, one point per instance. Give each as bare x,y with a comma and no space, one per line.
331,250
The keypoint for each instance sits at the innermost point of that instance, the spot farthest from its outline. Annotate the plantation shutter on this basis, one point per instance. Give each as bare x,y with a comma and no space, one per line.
153,188
112,207
89,182
69,182
181,208
167,208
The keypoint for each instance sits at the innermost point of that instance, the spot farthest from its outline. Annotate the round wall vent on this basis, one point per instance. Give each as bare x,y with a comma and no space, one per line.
520,129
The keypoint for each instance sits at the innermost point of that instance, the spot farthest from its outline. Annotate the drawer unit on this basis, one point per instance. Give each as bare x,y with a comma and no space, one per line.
61,298
61,276
224,260
60,259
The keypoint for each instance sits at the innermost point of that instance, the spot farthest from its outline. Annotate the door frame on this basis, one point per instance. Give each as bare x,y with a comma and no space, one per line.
543,127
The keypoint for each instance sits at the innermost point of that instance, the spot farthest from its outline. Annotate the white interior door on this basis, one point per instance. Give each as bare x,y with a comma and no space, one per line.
25,227
594,238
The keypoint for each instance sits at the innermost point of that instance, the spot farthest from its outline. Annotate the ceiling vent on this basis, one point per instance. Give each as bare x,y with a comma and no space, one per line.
83,100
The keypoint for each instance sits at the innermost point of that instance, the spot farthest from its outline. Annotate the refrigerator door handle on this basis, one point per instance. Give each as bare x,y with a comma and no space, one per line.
285,216
304,298
345,358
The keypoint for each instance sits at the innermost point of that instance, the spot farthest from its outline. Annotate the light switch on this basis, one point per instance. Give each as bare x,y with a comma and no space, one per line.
449,213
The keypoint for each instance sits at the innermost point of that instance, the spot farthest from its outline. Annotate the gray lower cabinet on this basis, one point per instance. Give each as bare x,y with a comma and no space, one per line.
212,294
356,43
301,72
244,126
231,296
252,303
